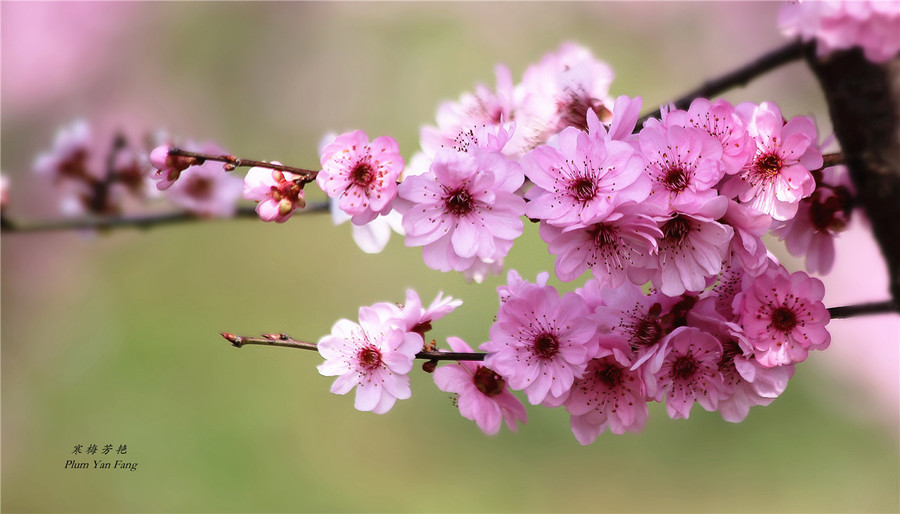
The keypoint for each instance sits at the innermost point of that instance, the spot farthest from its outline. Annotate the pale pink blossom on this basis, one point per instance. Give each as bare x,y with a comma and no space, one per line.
583,180
720,120
873,25
4,192
691,250
819,220
686,371
465,209
747,383
278,193
515,284
418,319
482,394
609,395
778,176
558,91
684,163
361,175
610,248
372,237
169,167
207,189
374,356
69,159
783,316
747,249
541,342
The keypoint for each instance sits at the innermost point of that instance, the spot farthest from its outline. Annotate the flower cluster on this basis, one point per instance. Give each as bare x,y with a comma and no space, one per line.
873,25
680,204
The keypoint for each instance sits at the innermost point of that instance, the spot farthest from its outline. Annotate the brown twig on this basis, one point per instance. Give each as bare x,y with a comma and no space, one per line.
232,162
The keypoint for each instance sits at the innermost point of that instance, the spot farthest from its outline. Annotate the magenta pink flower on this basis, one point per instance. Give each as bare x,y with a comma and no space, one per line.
279,193
560,90
541,342
778,176
207,189
374,356
583,180
465,209
361,175
721,121
687,371
747,249
691,251
819,220
169,167
835,25
418,319
609,395
685,163
610,249
482,394
783,316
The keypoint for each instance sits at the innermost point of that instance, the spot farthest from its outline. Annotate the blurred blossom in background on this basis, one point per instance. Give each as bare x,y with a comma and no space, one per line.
112,337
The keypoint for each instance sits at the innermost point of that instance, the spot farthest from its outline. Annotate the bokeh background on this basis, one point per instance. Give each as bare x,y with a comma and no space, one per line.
112,338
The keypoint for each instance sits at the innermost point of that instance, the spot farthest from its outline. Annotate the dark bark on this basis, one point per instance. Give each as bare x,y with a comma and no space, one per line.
864,103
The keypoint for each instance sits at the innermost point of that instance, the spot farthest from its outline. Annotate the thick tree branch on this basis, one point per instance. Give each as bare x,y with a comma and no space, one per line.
864,103
788,53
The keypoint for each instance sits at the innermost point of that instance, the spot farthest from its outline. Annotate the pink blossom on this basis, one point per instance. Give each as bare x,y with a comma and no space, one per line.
559,91
835,25
721,121
463,210
4,192
583,180
685,163
747,383
747,249
515,284
68,160
687,371
207,189
169,167
361,175
279,193
541,342
783,316
691,251
374,356
610,249
609,395
372,237
819,220
778,176
482,394
418,319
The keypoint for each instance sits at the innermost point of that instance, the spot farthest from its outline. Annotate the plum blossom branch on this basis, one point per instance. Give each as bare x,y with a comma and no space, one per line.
790,52
286,341
140,222
232,162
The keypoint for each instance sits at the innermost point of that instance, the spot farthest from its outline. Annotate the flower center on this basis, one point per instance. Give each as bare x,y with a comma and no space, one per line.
784,319
583,189
573,110
646,332
730,350
362,174
676,229
610,376
676,179
604,235
488,382
369,358
684,367
546,346
199,188
459,202
769,165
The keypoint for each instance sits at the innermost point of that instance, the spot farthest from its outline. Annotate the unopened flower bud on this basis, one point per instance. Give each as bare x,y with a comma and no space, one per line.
429,366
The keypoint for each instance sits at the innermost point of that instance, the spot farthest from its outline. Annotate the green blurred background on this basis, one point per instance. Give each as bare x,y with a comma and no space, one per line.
112,338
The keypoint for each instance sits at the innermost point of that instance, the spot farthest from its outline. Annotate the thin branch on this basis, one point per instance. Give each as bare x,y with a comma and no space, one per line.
232,162
790,52
286,341
863,309
141,222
